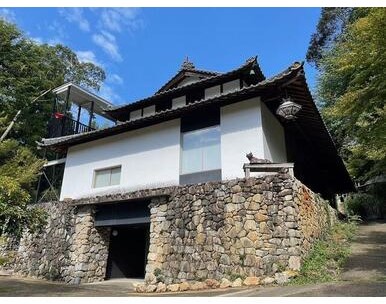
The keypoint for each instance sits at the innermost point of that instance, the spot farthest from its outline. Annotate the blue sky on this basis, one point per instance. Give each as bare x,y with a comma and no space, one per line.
140,49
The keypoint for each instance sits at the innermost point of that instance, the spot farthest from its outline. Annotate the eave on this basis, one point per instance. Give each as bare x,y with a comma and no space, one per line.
308,130
62,143
181,90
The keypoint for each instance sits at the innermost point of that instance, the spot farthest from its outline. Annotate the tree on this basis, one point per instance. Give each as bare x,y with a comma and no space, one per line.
351,89
18,172
332,22
27,69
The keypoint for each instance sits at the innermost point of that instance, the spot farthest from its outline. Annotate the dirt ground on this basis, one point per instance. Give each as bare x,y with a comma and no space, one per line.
364,275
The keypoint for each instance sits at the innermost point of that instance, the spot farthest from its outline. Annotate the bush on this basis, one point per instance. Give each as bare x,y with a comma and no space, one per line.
369,205
325,260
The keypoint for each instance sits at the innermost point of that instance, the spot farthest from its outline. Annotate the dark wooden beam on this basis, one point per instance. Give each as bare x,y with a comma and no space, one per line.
91,115
78,118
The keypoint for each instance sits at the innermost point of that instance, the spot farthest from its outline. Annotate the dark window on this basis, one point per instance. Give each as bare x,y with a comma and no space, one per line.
195,95
200,146
201,118
163,105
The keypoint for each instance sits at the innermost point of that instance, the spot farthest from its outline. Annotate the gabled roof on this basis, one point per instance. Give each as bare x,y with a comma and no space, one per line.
234,96
187,70
251,63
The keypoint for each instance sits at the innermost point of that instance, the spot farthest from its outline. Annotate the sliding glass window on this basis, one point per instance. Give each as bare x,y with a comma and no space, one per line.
201,150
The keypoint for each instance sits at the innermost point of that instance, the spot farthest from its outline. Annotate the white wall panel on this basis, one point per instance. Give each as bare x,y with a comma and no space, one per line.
149,158
274,140
241,133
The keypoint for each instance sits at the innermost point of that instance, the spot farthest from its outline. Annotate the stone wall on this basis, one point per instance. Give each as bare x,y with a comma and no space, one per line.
8,252
255,227
69,249
252,228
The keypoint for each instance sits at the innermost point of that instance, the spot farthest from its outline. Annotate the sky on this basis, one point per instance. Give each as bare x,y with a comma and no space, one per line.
140,49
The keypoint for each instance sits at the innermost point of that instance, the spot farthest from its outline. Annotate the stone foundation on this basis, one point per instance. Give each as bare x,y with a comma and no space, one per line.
255,227
70,249
251,228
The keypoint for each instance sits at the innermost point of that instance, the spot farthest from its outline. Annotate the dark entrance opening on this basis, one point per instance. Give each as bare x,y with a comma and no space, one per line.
128,251
129,240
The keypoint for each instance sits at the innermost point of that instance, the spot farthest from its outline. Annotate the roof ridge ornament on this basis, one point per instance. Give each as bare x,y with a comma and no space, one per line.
251,59
187,65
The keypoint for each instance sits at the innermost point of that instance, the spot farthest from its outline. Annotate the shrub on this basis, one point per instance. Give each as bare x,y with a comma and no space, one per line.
369,205
327,256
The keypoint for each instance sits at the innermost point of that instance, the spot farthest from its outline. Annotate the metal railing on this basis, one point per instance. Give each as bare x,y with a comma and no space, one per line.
64,125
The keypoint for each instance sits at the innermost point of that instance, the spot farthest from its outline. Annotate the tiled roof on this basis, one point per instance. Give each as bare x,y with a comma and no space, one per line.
252,62
73,139
186,69
308,130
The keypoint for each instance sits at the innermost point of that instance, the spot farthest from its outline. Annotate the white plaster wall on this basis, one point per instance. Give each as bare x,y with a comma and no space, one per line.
150,110
241,133
178,102
212,91
231,86
150,157
188,80
274,140
136,114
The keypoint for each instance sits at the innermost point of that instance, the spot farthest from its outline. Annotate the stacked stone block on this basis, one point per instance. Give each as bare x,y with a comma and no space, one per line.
210,232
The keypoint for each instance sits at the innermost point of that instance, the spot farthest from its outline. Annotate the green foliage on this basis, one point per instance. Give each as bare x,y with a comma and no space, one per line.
351,89
14,214
327,257
19,162
18,170
332,23
369,205
234,276
242,258
26,70
52,274
158,274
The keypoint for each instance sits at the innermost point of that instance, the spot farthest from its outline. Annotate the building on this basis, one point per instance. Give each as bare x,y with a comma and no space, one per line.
172,177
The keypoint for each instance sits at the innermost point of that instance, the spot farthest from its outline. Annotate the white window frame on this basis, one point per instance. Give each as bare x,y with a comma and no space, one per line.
105,169
182,150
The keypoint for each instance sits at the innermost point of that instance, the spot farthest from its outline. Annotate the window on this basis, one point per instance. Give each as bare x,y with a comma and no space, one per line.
195,95
107,177
201,150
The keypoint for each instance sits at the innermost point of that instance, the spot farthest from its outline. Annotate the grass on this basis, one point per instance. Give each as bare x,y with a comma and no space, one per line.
325,261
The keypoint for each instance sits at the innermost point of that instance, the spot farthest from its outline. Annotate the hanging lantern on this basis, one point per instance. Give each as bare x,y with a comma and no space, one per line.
288,109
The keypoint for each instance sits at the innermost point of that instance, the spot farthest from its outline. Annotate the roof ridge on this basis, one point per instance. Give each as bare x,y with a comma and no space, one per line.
161,93
212,73
295,66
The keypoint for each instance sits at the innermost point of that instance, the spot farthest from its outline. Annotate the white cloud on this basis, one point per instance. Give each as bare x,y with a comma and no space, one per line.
108,43
119,19
59,31
38,40
114,78
108,93
75,15
7,15
88,56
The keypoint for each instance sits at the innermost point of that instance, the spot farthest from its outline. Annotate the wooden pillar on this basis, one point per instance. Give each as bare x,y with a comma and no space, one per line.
65,111
40,178
77,119
67,100
91,115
